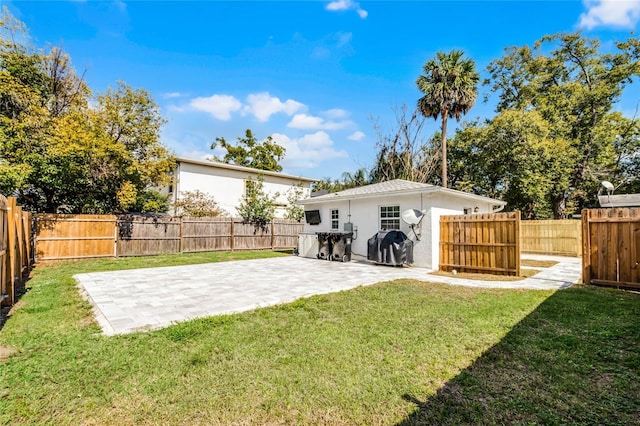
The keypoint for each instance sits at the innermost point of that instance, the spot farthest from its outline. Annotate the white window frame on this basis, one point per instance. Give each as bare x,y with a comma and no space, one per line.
335,220
388,214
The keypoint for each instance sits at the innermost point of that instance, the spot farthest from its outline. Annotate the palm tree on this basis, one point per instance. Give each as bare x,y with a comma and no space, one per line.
449,86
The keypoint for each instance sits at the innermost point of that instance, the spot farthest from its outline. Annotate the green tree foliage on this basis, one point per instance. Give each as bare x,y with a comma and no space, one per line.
512,158
59,153
450,89
255,206
293,210
249,152
197,204
574,87
347,180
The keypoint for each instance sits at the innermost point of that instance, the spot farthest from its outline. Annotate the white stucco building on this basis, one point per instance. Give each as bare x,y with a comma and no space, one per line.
379,206
227,183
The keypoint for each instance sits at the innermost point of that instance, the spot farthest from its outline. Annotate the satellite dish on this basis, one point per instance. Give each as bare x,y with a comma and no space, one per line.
608,186
412,217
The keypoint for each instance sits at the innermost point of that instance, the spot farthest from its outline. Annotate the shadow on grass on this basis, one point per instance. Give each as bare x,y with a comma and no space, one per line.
574,360
5,311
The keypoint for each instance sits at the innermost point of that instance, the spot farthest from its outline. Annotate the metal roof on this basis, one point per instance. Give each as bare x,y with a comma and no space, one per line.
622,200
219,165
395,187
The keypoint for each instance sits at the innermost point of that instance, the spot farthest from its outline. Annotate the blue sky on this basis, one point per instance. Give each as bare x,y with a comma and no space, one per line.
313,74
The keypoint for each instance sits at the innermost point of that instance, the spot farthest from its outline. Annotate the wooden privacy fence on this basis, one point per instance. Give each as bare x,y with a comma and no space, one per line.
611,247
60,237
557,237
481,243
15,248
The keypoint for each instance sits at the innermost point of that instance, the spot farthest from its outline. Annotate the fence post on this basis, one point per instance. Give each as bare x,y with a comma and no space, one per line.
586,248
272,236
181,234
115,238
518,214
11,208
232,234
26,225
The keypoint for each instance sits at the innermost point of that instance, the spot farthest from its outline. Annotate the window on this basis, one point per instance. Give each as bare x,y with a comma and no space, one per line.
335,219
390,217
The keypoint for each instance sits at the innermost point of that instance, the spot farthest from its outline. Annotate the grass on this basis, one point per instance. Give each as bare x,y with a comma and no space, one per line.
400,352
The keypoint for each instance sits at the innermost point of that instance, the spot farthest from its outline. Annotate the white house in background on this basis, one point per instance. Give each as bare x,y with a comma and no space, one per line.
227,183
371,208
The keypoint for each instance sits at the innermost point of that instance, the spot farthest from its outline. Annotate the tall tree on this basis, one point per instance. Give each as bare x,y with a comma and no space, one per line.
450,89
249,152
405,152
514,159
58,153
574,87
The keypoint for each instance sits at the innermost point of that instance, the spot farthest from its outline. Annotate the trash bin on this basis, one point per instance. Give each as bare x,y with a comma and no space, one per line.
324,246
342,247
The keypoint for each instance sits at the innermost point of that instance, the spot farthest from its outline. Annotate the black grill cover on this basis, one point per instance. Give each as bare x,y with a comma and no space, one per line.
390,248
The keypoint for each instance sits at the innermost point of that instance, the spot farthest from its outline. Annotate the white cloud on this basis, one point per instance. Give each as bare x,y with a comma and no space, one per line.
172,95
343,39
220,106
610,13
336,113
176,108
309,150
310,122
356,136
263,106
339,5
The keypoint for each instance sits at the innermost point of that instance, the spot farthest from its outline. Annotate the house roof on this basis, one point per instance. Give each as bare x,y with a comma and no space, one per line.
622,200
219,165
396,187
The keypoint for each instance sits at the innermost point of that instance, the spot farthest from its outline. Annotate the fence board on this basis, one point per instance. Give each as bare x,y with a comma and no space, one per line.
285,234
147,236
5,274
556,237
611,241
206,234
15,250
67,236
79,236
484,243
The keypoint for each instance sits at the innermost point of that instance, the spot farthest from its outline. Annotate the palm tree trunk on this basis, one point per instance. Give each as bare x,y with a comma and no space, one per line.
443,144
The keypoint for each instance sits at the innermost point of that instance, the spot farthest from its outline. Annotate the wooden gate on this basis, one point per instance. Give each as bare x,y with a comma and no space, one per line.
611,247
483,243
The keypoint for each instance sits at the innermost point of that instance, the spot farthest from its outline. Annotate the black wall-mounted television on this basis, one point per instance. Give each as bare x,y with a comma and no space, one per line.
312,217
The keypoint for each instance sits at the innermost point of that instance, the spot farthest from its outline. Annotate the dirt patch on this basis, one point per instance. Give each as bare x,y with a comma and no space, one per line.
538,263
524,273
6,352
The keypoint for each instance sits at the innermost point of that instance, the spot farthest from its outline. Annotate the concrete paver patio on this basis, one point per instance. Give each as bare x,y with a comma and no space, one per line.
144,299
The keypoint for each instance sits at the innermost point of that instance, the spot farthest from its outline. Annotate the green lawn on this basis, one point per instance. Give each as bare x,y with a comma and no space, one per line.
400,352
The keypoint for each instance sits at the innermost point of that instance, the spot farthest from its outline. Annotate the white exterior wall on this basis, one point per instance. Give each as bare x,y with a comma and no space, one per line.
227,186
365,216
